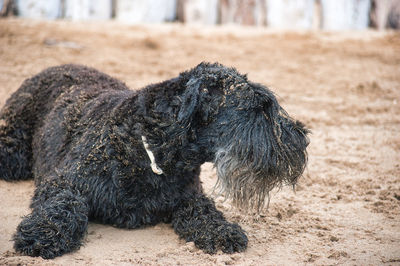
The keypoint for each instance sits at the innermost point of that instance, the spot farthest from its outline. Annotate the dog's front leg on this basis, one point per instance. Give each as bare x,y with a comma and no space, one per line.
56,225
196,219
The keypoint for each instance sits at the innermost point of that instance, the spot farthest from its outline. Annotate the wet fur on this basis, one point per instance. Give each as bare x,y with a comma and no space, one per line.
79,133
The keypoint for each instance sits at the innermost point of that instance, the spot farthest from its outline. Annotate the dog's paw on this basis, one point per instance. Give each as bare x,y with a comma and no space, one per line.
34,238
232,238
46,235
35,248
227,237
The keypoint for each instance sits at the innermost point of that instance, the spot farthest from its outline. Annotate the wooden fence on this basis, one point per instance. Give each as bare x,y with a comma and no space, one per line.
284,14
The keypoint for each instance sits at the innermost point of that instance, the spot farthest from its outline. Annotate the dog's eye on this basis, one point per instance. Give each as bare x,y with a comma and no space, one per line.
214,90
261,104
266,104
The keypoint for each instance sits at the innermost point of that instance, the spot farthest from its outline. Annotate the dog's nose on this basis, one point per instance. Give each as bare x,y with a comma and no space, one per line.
303,133
307,141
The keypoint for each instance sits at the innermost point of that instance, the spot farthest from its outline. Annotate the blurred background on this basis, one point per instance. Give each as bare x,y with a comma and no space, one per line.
282,14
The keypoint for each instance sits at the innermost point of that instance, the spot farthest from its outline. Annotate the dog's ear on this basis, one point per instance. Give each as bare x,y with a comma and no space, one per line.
202,97
190,101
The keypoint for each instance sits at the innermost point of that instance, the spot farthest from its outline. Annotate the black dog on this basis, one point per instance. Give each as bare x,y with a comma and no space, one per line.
98,150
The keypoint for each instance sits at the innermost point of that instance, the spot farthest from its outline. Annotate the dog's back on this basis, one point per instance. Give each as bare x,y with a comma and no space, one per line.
25,110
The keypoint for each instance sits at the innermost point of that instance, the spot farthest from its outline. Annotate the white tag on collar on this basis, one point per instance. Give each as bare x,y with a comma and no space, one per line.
157,170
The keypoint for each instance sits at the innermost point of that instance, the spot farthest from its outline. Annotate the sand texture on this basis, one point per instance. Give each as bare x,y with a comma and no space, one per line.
345,86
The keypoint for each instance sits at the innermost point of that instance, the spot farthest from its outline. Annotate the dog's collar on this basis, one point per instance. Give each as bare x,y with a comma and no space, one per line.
157,170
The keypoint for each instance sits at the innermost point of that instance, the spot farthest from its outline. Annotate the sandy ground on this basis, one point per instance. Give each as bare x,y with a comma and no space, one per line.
344,86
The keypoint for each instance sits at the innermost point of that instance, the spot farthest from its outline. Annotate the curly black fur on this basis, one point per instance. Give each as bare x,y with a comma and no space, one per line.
82,136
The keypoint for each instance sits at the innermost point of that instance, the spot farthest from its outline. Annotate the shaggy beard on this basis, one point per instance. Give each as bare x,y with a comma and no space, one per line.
247,178
237,181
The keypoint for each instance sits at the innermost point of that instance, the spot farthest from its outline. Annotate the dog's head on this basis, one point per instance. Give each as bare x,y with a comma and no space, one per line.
240,126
